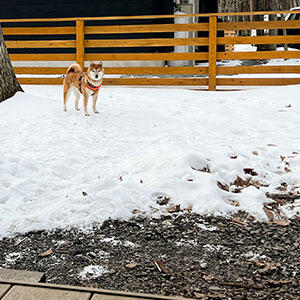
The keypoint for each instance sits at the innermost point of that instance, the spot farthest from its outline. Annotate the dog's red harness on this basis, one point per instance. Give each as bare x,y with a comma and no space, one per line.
89,85
92,87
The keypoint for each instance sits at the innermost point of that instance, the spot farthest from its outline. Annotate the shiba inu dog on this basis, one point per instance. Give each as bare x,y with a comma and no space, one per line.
85,84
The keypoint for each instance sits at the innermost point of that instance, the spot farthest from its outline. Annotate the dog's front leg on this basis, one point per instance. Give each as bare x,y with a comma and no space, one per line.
95,97
85,102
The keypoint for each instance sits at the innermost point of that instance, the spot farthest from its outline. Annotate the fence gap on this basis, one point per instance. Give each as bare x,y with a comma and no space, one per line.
212,68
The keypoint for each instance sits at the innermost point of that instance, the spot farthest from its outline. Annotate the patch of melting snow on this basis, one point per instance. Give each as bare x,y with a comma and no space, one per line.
11,258
254,255
212,248
204,227
116,242
92,272
186,243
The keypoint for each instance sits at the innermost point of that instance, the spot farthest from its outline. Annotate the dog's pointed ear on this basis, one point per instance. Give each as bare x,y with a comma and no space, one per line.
91,63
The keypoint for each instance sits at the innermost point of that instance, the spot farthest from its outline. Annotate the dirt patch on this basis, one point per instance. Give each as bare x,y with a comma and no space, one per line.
188,255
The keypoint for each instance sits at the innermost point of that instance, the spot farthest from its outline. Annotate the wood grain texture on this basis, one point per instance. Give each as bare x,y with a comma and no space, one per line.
40,44
212,68
146,56
146,42
259,40
258,55
257,81
125,81
80,42
38,30
42,57
258,70
258,25
145,28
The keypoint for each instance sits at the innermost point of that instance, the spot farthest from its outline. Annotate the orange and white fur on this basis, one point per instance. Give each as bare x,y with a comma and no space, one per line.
85,84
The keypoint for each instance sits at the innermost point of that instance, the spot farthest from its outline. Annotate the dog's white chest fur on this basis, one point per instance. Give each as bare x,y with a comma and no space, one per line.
89,91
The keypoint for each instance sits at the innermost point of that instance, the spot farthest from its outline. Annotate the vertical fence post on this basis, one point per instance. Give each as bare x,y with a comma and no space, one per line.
80,42
212,68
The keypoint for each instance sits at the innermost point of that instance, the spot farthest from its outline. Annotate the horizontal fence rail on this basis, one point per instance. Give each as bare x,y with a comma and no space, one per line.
80,40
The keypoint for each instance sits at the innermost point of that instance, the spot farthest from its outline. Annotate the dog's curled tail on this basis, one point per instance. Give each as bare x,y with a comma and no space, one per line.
75,68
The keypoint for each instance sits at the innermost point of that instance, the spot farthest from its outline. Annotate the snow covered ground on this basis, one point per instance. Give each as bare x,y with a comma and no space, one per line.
60,169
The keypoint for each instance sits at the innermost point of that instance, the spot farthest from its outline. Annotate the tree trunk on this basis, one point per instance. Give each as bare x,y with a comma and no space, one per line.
9,84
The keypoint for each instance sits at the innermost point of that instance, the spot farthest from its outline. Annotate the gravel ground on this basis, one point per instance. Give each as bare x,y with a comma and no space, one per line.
180,254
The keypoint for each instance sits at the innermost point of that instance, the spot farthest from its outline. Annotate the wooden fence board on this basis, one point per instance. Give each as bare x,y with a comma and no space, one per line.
40,44
156,81
41,81
212,69
146,56
146,42
37,30
40,70
259,40
145,28
258,70
38,293
258,55
157,70
257,81
42,57
120,70
258,25
124,81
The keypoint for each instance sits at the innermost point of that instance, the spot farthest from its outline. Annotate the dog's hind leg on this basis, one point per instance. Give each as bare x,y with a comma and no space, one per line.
67,91
77,97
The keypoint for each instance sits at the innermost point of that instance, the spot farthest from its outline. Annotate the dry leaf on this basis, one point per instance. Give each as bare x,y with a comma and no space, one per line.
161,267
141,181
190,180
233,157
287,170
84,194
223,187
131,266
235,203
241,182
250,171
174,208
47,253
121,178
271,145
208,277
269,214
238,221
255,153
282,157
281,222
136,211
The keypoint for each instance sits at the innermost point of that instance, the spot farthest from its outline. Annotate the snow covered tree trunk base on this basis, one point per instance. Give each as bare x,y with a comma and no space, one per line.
9,84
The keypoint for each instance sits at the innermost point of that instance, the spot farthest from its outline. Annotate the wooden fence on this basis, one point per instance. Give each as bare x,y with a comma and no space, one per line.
184,76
